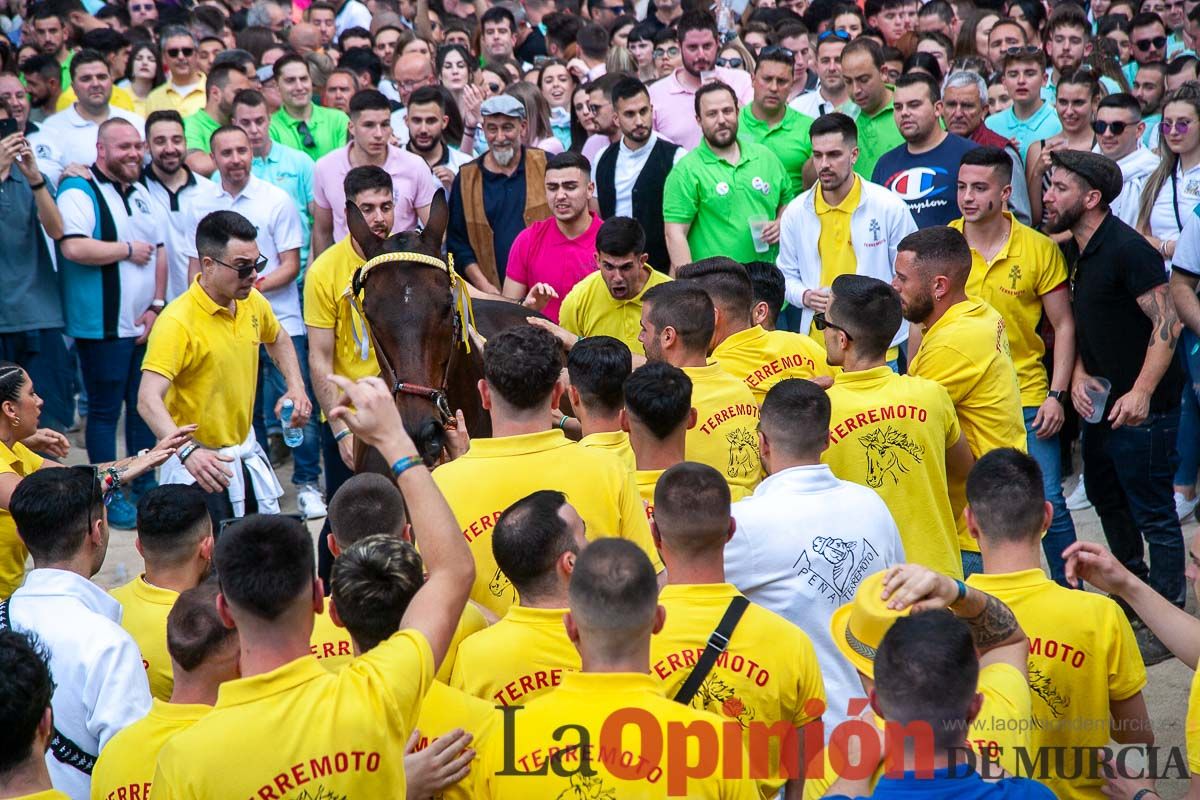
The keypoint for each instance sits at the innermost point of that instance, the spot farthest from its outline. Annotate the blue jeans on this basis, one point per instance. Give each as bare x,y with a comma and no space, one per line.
1048,456
112,373
1189,412
306,459
1127,474
43,354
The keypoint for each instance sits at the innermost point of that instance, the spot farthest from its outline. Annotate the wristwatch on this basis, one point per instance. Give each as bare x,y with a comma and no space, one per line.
1058,395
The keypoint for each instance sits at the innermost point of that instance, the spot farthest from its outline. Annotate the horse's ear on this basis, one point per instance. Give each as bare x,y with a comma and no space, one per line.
367,241
439,218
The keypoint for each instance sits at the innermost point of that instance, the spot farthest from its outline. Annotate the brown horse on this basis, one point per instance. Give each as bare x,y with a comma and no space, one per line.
420,341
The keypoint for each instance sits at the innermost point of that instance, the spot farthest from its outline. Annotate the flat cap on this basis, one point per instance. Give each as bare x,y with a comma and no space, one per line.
1098,171
503,105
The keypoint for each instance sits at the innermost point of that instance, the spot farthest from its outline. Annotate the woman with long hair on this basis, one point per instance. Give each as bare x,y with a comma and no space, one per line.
583,122
143,73
973,36
537,117
1031,16
1076,100
557,84
1173,190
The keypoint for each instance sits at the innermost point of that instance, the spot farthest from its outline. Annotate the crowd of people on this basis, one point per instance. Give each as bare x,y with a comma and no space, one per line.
814,309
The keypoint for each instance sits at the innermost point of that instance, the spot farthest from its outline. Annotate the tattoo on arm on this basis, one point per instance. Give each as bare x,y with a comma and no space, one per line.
1164,319
992,626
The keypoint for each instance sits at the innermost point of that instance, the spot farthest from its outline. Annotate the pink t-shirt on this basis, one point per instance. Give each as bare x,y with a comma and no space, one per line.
675,104
413,186
541,254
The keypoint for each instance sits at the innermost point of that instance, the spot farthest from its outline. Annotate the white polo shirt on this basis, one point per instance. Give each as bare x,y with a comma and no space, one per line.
67,138
273,212
184,210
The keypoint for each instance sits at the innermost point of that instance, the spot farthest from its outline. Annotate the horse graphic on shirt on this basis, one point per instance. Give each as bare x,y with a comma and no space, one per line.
500,585
587,787
889,452
717,696
743,453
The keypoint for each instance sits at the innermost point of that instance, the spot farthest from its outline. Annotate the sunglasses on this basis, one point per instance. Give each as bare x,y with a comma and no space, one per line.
1023,50
1101,127
776,48
735,62
1181,126
245,270
184,52
148,7
304,131
821,323
1156,43
845,37
659,52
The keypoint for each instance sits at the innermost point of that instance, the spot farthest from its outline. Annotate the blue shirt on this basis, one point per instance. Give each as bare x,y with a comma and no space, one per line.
1042,124
292,171
965,784
504,207
28,283
927,182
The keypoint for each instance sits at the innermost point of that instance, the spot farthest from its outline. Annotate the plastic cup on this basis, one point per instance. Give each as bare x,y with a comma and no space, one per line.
757,223
1098,394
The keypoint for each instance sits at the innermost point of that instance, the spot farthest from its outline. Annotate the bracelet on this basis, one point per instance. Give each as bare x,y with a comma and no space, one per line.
402,465
187,450
35,186
1143,792
962,591
342,434
129,255
114,479
561,424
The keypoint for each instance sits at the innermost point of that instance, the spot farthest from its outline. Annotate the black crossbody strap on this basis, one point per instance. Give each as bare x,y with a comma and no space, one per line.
717,642
63,748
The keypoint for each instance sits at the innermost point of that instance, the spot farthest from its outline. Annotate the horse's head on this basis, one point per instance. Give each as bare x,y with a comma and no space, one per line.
410,308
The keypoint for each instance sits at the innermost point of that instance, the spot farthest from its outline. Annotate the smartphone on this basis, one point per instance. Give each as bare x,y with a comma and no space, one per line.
541,61
7,127
225,523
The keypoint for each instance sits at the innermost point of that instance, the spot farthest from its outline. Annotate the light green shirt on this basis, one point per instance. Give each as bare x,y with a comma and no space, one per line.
877,134
789,140
198,129
327,131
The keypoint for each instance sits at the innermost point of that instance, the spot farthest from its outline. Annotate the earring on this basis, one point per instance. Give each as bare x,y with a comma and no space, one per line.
16,421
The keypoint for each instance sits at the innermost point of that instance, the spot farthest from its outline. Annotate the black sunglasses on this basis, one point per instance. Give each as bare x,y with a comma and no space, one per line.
820,323
176,52
309,141
245,270
776,48
1023,50
735,62
1101,127
843,35
1155,43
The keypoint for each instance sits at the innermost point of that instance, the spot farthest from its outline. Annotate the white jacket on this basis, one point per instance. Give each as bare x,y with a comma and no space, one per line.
804,542
100,684
881,220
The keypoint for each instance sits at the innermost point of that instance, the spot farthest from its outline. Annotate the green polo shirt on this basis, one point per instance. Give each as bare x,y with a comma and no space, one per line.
789,140
64,79
326,127
877,134
717,197
198,129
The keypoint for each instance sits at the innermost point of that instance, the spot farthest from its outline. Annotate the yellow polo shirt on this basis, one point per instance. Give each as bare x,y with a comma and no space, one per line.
327,307
211,359
615,442
588,700
121,98
22,461
125,768
726,432
523,655
589,310
1027,267
167,97
1082,657
768,673
891,432
763,358
330,643
833,243
302,729
495,473
472,621
647,479
1192,725
144,616
49,794
967,352
444,710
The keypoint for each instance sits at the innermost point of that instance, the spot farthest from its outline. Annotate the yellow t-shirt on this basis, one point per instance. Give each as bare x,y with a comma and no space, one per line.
589,310
21,461
615,442
167,98
330,643
495,473
327,307
768,673
472,621
647,480
125,768
302,729
211,359
763,358
966,351
1027,267
120,99
726,432
48,794
587,700
834,242
144,616
1192,726
1082,657
444,710
891,432
524,654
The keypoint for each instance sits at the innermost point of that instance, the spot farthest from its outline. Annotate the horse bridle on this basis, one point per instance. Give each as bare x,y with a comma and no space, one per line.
463,322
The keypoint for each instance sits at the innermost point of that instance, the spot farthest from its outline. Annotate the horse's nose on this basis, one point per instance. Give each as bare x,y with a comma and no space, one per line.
429,440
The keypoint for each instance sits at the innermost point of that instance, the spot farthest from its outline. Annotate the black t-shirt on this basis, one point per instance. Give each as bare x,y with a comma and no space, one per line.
533,46
1111,331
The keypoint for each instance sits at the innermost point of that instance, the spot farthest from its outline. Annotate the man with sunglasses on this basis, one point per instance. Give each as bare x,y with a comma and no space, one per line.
1148,35
184,90
1119,128
768,121
831,93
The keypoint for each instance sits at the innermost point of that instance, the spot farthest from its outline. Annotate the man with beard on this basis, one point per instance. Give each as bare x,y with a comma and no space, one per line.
223,84
202,365
496,196
1149,88
604,116
725,197
831,93
69,137
630,174
1119,130
1126,327
176,191
1068,38
43,82
49,32
426,121
113,267
964,347
175,537
768,121
673,97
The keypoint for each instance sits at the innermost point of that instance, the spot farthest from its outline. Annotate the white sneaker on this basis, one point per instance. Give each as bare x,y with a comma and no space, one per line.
1077,500
312,505
1184,508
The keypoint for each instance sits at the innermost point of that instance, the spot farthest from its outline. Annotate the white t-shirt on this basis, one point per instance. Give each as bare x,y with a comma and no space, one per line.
184,210
1135,167
1174,203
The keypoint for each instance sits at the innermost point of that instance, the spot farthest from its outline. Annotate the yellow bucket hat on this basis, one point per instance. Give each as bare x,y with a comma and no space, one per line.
858,627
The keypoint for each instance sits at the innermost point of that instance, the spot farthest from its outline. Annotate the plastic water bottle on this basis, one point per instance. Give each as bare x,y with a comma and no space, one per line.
292,437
